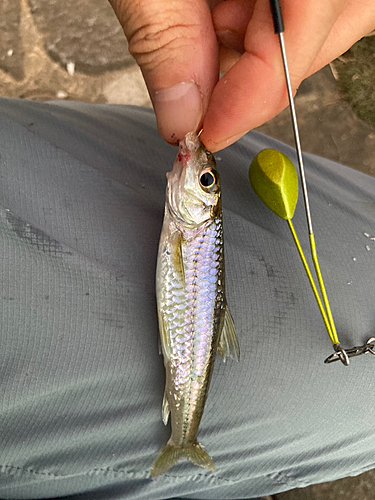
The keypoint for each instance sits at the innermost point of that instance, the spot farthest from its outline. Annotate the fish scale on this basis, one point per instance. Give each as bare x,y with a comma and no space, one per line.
192,339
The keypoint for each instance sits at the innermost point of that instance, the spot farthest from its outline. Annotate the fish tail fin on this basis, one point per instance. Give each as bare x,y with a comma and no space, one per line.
168,457
198,456
172,454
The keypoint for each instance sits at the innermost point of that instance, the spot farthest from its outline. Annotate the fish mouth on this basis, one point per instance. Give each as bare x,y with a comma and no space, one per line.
190,144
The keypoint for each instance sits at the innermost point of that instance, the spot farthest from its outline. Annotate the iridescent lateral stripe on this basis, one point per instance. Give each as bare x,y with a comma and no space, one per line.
192,312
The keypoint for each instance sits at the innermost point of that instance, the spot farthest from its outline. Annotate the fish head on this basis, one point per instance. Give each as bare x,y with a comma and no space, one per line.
193,190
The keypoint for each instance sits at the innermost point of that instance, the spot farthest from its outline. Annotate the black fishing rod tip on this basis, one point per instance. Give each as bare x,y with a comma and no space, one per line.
276,16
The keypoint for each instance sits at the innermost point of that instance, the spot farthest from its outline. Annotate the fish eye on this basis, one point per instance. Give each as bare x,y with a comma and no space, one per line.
207,180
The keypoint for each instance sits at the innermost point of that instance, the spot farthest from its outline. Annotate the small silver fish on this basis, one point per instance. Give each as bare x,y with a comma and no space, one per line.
194,320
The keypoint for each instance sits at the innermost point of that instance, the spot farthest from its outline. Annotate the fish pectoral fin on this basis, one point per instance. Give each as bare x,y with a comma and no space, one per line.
228,343
172,454
165,408
178,260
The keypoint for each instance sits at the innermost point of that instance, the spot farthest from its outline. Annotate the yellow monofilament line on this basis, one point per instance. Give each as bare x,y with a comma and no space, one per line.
314,256
329,324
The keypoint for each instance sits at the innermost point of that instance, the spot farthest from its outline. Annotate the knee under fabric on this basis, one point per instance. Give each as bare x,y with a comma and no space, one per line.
81,206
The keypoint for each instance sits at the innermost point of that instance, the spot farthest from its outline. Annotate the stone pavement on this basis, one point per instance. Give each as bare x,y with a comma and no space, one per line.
71,49
75,49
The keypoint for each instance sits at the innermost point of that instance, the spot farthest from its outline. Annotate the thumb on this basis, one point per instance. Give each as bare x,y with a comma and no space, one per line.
174,43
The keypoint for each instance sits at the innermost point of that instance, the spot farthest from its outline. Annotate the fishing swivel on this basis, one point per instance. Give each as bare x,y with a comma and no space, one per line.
344,354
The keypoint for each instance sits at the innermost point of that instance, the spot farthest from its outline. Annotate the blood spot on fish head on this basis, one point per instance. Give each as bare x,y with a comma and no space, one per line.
188,147
184,156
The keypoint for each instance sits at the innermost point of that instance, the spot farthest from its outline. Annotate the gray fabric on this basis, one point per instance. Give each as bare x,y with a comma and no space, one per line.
81,205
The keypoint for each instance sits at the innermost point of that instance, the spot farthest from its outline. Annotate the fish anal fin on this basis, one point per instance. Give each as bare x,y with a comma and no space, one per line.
228,343
172,454
165,408
221,350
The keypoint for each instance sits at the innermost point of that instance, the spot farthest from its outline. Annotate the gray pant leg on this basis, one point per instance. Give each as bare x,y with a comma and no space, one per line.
81,205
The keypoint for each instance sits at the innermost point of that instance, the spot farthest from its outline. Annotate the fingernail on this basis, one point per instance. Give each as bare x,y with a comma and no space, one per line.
178,110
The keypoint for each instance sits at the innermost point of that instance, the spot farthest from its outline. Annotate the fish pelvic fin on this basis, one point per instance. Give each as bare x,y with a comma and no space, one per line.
228,343
172,454
165,408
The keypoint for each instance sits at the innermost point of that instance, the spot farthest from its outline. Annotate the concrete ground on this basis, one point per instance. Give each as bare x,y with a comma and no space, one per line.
76,50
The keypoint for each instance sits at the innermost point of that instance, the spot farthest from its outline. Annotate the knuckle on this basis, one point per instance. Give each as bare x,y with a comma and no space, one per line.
154,42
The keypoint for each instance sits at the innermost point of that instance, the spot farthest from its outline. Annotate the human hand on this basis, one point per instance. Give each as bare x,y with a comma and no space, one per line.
175,43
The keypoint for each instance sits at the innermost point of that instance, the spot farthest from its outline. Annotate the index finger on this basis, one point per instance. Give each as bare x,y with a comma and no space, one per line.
253,90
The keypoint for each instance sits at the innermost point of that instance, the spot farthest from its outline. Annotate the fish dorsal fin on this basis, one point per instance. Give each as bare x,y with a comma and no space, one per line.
228,343
165,408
